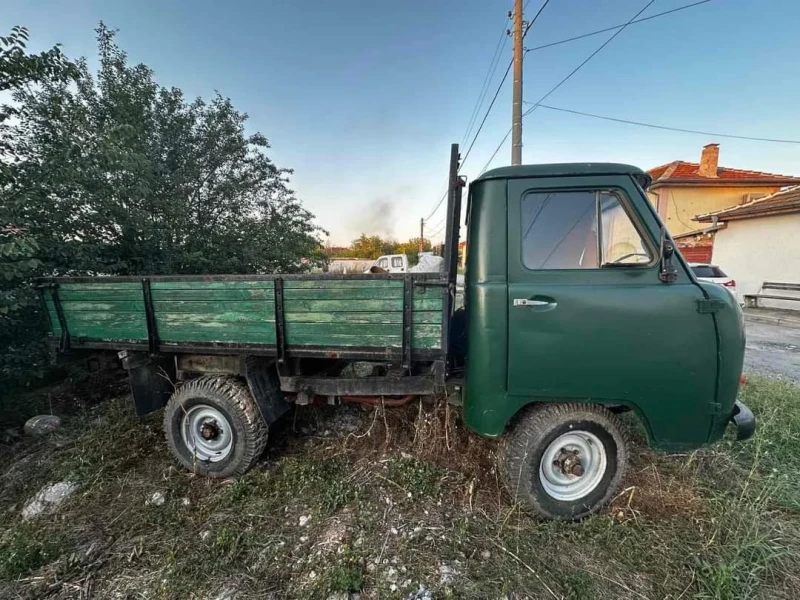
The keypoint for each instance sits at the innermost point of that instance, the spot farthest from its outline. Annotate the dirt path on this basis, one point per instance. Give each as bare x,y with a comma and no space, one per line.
773,350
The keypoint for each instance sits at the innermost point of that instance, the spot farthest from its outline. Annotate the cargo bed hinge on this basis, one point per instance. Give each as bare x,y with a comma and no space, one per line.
710,305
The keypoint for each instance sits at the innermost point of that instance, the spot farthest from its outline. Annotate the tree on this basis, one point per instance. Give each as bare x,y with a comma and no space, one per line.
123,176
21,347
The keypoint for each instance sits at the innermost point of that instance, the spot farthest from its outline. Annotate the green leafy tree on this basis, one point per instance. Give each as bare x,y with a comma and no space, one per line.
21,347
113,173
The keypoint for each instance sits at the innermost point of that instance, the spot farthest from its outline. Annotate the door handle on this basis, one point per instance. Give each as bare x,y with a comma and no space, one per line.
528,302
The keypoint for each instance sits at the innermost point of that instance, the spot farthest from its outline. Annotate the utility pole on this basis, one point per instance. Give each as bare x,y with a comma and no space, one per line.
516,107
421,234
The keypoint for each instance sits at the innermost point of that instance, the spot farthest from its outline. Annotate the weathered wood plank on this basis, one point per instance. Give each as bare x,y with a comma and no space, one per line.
212,285
343,293
99,286
222,318
170,322
101,332
100,295
383,305
304,284
262,307
104,319
118,306
180,333
201,294
355,318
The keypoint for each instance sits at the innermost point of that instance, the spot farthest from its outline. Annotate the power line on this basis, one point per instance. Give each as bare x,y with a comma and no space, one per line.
590,57
485,86
679,129
563,81
642,20
500,87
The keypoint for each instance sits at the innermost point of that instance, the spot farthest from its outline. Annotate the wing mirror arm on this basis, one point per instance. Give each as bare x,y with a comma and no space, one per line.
667,271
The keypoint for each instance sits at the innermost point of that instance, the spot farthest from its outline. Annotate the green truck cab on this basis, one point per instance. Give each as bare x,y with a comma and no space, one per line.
577,308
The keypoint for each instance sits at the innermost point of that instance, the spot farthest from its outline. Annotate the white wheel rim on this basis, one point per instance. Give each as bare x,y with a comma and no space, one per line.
206,433
567,486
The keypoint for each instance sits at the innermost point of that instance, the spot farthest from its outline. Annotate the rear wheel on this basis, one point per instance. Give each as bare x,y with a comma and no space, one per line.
564,461
213,426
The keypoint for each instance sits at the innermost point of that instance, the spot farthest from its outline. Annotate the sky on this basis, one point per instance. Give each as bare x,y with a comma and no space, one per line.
363,99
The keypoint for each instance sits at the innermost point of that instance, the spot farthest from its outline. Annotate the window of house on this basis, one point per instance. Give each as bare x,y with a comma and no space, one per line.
559,231
397,261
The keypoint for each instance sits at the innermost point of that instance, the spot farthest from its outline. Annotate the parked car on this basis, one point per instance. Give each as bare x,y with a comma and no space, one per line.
392,263
712,273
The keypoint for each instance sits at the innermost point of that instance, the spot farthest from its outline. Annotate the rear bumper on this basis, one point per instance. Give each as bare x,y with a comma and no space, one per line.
744,419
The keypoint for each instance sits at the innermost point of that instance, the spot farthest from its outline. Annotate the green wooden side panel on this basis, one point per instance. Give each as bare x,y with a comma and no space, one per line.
318,312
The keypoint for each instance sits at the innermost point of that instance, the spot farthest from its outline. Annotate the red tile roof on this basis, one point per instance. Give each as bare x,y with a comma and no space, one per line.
785,201
686,172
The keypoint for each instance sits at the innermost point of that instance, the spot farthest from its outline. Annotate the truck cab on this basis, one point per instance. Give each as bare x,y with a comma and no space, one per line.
574,291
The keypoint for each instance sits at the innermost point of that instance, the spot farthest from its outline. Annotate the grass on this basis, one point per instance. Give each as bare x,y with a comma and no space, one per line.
410,499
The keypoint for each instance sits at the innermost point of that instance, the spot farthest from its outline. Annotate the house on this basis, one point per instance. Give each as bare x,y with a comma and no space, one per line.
759,240
682,190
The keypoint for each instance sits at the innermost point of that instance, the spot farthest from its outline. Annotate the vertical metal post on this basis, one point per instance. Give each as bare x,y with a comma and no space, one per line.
63,344
451,245
280,340
516,107
421,235
408,308
150,317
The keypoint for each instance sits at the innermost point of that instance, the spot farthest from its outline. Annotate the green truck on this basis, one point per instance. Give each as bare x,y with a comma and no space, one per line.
577,308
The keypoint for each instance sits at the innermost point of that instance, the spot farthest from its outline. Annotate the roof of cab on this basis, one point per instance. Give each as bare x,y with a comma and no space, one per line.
564,169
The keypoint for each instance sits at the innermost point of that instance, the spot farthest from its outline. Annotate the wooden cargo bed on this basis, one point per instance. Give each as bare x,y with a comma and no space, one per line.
350,316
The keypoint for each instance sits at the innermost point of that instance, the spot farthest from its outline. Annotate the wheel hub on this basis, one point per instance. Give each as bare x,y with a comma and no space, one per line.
572,466
207,433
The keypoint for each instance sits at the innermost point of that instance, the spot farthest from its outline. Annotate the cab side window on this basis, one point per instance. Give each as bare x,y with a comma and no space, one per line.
560,231
383,263
397,261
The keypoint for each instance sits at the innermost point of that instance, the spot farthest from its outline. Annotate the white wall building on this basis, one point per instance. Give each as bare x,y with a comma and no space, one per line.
759,241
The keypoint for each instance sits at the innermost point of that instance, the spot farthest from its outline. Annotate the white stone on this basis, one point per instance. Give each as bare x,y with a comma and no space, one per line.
48,499
41,424
186,502
156,499
486,555
304,519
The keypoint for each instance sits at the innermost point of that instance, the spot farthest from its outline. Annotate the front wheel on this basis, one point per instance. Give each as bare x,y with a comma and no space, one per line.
213,426
564,461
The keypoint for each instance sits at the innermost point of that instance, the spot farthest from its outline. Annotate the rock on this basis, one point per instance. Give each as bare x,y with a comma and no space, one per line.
156,499
422,593
304,519
41,424
48,499
447,574
390,575
486,555
186,502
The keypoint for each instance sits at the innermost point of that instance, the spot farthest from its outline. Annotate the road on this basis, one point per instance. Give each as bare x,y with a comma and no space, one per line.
773,350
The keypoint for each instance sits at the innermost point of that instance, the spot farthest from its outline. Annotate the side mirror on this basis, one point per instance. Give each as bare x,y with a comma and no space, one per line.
667,272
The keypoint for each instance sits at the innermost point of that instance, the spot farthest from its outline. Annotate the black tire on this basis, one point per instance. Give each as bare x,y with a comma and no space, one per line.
245,426
531,435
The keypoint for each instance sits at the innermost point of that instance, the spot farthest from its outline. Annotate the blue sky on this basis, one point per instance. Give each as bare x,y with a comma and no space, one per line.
362,99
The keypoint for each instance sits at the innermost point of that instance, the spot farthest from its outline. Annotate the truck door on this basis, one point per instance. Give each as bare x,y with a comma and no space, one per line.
589,318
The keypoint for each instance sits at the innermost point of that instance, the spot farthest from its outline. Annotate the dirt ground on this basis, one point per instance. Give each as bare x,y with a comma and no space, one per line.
399,503
773,350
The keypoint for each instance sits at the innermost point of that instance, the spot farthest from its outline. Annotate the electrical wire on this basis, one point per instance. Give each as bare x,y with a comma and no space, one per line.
564,80
500,87
485,86
642,20
678,129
